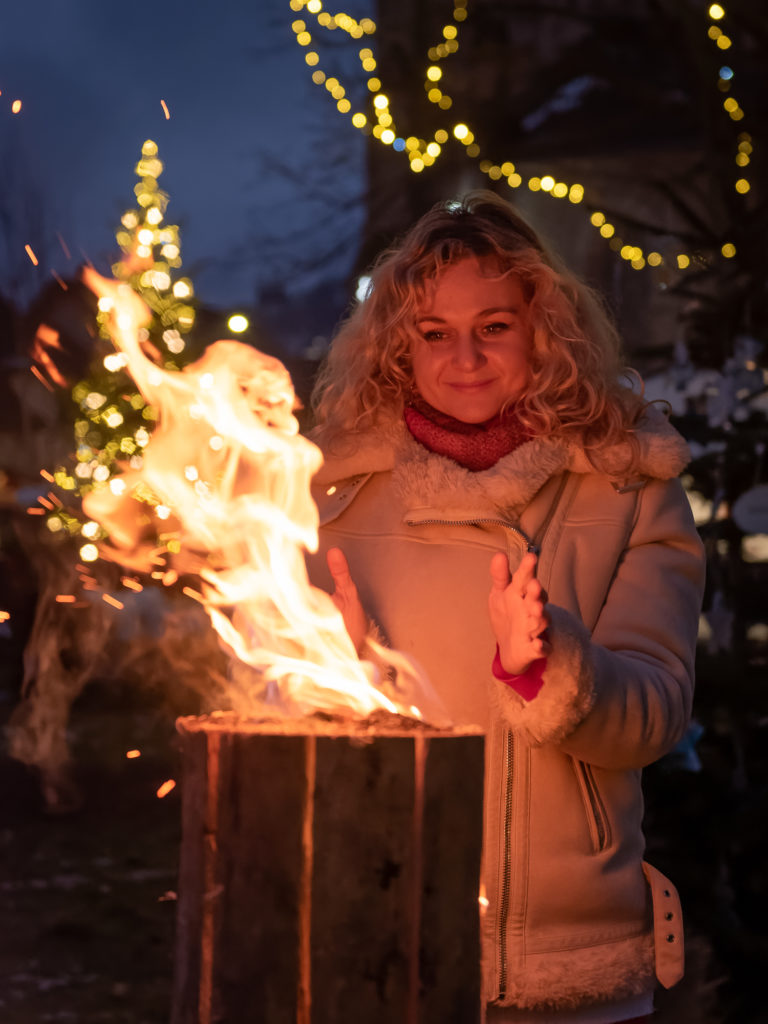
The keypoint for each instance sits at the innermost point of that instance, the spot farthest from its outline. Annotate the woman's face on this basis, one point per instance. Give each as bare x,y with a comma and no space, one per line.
471,353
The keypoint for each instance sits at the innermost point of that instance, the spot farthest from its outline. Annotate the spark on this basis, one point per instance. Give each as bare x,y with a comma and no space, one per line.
112,600
60,281
4,616
16,106
131,754
165,110
131,584
35,511
64,246
31,254
166,788
47,476
45,503
65,598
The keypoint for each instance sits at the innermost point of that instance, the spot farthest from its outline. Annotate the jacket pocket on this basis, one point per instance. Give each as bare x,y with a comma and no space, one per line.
597,817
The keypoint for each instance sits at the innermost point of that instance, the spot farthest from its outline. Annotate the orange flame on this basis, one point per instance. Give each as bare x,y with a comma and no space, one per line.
232,475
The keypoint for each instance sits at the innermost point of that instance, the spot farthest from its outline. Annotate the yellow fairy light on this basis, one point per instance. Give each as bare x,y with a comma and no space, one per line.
89,553
723,42
730,104
654,259
374,84
380,101
445,102
460,131
303,38
182,289
576,193
344,106
314,6
607,230
89,529
312,58
434,73
514,180
683,261
434,150
318,77
638,263
441,136
434,95
145,236
369,64
417,165
597,218
547,183
716,12
359,120
388,137
494,172
742,159
534,184
714,32
742,186
450,31
728,250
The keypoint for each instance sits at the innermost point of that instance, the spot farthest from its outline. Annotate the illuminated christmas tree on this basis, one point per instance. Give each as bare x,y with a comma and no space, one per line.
113,423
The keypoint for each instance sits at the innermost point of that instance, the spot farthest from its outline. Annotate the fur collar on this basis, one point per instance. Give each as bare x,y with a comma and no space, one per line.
427,479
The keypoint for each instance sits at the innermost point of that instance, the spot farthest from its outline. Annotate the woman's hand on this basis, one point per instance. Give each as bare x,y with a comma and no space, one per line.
518,611
346,599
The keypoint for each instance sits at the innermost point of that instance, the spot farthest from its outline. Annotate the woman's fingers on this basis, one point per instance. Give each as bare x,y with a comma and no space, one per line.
345,597
499,571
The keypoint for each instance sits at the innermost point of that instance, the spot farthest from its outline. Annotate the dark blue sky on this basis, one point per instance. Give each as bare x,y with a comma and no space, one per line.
91,75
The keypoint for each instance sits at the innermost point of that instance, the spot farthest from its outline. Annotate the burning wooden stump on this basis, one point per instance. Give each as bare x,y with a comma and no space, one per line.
329,872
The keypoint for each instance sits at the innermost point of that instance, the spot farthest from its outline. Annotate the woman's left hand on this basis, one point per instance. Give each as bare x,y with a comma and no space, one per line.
518,612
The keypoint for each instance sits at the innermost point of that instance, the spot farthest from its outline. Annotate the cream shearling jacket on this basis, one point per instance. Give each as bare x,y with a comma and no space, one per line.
573,911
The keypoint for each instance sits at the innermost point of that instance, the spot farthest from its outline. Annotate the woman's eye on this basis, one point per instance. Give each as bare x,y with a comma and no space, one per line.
496,327
433,335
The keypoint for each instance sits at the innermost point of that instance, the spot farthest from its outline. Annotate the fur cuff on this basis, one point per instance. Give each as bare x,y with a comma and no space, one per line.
568,692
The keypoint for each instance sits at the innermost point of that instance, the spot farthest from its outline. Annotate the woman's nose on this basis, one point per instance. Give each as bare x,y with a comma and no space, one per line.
468,351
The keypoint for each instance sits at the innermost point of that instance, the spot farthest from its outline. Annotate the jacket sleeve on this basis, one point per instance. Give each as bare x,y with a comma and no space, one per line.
621,698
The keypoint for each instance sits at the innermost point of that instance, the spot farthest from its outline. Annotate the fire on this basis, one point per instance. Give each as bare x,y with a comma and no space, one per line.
231,473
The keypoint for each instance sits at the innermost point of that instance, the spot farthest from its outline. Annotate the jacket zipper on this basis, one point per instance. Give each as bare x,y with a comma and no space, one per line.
485,520
506,882
506,879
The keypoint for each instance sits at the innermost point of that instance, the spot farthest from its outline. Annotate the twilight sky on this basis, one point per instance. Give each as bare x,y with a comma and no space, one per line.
249,141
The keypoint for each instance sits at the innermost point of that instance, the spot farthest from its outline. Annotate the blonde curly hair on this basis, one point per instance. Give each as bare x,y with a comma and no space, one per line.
577,387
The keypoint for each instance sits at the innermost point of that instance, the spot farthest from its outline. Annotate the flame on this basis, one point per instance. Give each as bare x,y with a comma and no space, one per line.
229,475
47,338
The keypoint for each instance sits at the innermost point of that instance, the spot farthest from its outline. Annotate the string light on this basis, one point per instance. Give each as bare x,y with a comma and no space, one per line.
422,153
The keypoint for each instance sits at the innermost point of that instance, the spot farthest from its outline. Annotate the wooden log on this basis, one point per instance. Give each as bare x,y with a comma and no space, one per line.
329,872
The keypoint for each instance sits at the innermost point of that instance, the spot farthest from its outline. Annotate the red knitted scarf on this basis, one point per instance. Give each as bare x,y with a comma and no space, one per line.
476,446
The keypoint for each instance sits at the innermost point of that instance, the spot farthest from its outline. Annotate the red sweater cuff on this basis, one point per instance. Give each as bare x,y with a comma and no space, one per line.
528,683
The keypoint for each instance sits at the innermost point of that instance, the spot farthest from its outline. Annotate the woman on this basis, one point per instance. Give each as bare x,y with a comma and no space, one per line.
500,505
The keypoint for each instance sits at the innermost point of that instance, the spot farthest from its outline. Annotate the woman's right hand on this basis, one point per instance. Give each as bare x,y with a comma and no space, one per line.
346,598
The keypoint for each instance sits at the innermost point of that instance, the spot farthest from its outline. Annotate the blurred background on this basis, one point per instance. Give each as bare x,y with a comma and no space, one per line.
241,167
